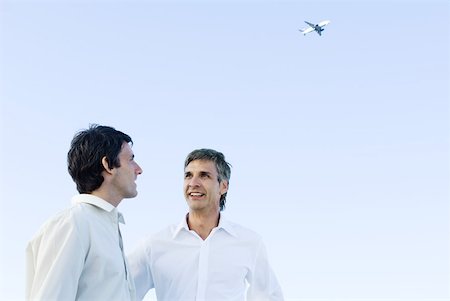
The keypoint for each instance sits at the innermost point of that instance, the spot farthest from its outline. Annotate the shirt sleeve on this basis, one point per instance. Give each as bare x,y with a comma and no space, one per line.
263,284
54,261
139,262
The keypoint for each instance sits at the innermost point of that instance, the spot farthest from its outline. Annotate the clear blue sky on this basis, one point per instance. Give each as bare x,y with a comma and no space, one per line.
339,144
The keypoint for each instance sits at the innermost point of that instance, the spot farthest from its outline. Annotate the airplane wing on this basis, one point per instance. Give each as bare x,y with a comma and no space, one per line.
324,23
310,24
307,30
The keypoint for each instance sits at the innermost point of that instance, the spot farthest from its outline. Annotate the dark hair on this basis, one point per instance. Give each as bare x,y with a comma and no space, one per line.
88,147
222,166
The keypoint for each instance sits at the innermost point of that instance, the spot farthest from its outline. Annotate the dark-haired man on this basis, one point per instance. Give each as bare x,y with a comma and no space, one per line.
78,254
205,257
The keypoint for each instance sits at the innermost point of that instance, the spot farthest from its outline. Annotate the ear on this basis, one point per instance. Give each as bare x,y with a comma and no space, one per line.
106,165
223,186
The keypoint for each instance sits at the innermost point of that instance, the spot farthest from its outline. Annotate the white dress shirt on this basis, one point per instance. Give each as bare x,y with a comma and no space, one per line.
230,265
77,255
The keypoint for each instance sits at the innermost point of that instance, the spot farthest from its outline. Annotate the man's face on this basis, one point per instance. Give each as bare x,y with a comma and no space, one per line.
202,188
124,180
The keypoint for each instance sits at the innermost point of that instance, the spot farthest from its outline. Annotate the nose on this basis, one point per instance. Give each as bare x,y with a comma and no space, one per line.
138,169
193,182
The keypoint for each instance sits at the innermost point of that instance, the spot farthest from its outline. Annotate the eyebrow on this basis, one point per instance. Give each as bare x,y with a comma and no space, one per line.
188,173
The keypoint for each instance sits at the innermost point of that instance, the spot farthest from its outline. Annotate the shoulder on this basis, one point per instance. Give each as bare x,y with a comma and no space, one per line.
147,244
68,221
243,232
79,215
165,233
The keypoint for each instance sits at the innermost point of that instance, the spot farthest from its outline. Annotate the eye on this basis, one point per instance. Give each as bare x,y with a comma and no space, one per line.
187,175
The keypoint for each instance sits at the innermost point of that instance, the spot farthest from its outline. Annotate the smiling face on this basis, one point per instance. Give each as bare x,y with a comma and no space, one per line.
202,188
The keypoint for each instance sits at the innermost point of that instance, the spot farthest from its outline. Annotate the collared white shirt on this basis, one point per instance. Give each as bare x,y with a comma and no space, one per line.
77,255
229,265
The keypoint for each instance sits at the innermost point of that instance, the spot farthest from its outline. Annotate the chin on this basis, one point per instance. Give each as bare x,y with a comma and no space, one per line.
131,195
194,206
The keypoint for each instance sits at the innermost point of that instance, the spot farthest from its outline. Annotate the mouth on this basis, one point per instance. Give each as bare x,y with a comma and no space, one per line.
196,194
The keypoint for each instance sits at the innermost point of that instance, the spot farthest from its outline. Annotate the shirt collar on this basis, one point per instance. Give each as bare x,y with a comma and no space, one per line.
223,224
182,225
100,203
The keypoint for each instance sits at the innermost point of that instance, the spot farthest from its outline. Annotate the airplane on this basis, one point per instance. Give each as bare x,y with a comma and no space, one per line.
317,27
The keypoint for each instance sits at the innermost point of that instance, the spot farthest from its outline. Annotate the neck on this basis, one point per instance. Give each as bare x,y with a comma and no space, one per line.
101,193
202,224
